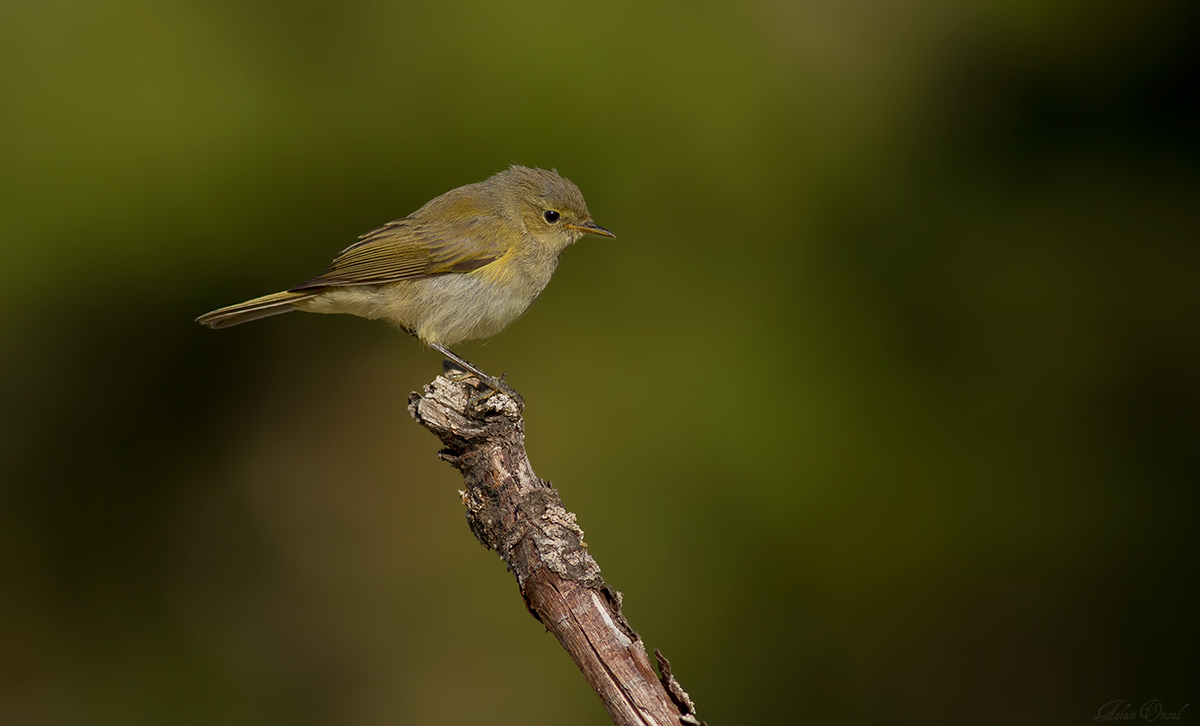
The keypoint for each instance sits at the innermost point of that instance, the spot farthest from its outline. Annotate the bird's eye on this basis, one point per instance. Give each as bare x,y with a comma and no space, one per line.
550,215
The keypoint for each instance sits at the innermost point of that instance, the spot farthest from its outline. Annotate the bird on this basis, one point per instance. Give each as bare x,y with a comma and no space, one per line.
462,267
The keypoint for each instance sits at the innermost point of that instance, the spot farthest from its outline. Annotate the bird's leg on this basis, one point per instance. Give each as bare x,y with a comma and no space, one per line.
497,384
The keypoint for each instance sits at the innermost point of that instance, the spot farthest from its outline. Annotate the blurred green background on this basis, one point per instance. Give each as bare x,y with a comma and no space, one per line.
884,407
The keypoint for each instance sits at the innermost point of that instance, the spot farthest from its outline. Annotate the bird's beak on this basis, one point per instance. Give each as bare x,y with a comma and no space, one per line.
591,228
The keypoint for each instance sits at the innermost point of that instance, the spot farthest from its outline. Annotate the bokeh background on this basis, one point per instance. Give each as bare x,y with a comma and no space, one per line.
884,407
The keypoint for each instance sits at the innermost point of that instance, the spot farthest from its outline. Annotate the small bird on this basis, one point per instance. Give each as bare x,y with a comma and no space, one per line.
462,267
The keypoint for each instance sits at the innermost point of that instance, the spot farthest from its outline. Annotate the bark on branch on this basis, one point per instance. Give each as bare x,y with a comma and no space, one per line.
521,517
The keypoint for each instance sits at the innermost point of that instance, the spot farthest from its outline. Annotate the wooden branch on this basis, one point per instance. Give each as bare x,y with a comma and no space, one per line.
521,517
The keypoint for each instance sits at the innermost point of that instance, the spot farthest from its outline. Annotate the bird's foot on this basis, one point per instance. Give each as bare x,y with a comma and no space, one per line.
495,385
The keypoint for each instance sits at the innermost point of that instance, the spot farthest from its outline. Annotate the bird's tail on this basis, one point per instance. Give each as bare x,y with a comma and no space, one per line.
259,307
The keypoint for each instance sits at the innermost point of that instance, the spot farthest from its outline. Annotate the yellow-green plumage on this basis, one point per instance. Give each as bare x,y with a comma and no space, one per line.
461,267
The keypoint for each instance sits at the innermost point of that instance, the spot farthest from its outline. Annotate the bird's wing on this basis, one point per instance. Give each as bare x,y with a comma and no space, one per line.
408,249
